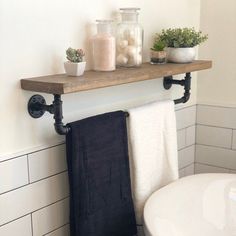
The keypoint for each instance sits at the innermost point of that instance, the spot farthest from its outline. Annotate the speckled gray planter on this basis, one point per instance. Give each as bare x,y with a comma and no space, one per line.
181,55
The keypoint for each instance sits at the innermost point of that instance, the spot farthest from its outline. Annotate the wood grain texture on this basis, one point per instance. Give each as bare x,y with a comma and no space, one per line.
63,84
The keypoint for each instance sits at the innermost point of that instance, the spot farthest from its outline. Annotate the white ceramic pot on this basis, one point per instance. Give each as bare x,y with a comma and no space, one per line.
74,68
181,55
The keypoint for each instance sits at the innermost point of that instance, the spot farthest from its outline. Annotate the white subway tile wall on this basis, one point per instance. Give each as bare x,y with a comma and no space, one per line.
186,157
215,140
234,140
62,231
51,218
13,174
186,135
214,136
19,227
47,162
34,186
216,116
200,168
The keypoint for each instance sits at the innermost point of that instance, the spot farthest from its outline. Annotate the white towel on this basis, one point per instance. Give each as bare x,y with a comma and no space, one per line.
153,150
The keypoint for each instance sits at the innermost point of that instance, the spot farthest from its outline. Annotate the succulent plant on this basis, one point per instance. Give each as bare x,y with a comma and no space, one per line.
182,37
158,45
75,55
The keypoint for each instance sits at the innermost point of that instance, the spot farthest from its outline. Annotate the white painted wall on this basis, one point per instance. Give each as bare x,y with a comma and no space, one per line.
217,86
33,39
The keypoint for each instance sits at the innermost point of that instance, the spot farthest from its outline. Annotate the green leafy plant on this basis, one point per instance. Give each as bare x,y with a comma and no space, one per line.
75,55
158,45
182,37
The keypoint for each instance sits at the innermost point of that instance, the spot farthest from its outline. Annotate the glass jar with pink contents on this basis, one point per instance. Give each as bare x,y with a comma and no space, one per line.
104,47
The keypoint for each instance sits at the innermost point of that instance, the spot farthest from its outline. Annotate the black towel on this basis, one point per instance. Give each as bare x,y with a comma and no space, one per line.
100,190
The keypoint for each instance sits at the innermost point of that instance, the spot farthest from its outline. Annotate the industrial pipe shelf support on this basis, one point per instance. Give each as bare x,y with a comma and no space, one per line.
186,83
37,107
37,104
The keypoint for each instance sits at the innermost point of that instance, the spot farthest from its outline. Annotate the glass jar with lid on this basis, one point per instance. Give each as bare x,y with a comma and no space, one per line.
104,47
129,39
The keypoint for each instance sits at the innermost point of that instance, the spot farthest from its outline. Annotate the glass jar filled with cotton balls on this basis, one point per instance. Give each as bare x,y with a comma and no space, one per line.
129,39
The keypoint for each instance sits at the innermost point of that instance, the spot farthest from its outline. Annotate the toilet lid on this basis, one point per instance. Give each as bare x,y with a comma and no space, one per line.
198,205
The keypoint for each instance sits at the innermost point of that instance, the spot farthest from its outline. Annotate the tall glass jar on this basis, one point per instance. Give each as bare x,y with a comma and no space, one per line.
129,39
104,47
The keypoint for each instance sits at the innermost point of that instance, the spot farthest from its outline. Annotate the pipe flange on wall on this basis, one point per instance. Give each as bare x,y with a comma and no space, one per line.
35,106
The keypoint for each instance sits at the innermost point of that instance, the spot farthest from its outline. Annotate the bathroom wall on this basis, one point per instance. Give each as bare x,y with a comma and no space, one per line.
34,36
34,186
217,86
215,151
216,139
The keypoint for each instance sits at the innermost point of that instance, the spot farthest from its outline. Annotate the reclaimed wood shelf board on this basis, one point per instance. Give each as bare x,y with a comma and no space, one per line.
63,84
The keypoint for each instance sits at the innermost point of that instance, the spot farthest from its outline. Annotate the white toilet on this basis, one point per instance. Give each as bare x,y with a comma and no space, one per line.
198,205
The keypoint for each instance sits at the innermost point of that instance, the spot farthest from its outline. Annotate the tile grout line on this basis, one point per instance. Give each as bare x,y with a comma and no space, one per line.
232,139
186,166
224,148
32,152
185,137
18,218
186,147
189,126
214,126
204,164
32,229
11,190
187,107
56,229
218,106
48,177
28,168
60,200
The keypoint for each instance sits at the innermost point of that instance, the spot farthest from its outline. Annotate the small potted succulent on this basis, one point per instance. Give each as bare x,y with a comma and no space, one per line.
158,53
75,65
181,43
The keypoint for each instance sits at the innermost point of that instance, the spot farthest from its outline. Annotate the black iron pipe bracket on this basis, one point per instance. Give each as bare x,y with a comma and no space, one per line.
37,104
186,83
37,107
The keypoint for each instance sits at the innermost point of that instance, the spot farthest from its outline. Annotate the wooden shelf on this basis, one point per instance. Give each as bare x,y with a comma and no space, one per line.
63,84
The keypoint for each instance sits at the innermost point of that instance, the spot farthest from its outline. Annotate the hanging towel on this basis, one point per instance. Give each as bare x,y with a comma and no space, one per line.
98,166
153,150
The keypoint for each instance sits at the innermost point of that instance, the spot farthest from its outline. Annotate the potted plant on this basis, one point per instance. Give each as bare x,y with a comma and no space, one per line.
181,43
75,65
158,54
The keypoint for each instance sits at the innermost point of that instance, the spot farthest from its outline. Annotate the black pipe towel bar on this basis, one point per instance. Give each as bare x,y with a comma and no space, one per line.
37,104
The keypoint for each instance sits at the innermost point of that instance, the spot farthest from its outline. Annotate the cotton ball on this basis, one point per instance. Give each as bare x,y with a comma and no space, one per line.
132,41
120,50
128,33
123,43
131,51
121,59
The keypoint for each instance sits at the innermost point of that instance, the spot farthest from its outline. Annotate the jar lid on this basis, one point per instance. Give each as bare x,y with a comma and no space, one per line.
130,9
104,21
